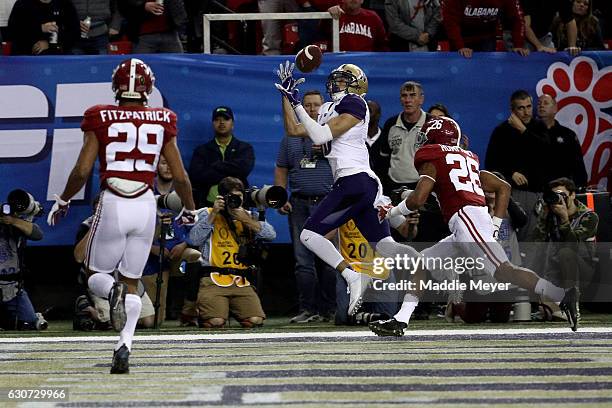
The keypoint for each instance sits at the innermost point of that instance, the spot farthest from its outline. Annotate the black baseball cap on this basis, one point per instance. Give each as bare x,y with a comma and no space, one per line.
224,111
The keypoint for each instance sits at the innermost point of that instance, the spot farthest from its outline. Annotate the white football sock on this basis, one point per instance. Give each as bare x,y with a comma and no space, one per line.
545,288
408,306
350,275
133,304
321,247
100,284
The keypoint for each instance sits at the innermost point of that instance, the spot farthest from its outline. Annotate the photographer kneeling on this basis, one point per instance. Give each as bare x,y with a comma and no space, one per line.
16,226
228,242
570,228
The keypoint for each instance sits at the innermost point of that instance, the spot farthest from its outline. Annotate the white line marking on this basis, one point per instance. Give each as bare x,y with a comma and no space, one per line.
312,335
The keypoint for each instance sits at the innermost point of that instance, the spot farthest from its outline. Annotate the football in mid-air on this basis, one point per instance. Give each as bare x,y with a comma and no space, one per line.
308,58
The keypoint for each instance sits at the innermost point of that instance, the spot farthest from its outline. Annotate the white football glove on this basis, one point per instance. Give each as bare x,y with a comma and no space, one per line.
497,222
58,211
187,218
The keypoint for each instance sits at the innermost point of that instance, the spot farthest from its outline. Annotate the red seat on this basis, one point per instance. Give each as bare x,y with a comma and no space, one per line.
443,46
291,37
120,47
500,46
6,48
608,44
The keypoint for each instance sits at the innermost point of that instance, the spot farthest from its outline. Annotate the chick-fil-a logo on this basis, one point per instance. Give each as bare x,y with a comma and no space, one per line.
583,92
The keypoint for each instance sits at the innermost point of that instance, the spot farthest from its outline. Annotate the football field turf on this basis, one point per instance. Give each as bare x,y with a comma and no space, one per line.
434,365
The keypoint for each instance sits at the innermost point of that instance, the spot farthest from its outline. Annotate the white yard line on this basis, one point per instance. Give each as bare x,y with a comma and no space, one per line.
311,335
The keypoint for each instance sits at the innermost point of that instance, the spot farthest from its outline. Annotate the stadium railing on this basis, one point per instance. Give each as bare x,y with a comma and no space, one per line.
270,16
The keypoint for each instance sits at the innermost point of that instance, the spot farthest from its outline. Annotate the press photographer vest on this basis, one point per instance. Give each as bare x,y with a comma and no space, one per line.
356,250
224,253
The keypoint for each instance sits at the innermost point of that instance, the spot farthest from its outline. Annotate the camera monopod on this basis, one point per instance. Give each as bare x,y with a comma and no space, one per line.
163,229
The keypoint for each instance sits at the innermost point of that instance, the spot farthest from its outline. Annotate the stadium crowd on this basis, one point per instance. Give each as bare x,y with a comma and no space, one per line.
40,27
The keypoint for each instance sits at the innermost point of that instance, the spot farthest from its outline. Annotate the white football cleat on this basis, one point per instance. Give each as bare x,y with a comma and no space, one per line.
356,289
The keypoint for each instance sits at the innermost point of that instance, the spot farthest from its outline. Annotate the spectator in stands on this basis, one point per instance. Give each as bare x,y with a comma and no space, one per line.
516,149
570,228
272,29
399,136
564,148
602,9
589,30
153,26
221,157
539,16
396,158
309,29
413,24
223,232
472,25
104,22
16,310
41,27
175,247
218,30
303,167
438,109
360,29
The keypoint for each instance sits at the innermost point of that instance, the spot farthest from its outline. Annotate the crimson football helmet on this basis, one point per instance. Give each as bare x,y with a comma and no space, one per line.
133,79
439,130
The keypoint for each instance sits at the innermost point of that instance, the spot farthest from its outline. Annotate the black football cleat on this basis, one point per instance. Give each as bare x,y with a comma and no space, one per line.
389,327
569,305
121,361
116,299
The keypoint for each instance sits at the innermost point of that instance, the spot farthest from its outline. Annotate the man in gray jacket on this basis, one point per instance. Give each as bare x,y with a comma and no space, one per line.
413,24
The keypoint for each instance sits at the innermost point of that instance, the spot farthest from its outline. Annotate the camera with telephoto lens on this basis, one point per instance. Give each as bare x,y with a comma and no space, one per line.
265,197
552,197
20,203
170,201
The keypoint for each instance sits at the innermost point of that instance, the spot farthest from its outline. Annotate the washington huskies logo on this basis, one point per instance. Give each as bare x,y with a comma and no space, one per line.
583,92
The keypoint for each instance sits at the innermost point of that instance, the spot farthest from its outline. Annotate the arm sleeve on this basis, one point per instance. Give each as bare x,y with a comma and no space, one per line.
515,15
267,232
433,18
397,25
282,159
353,105
451,18
518,216
201,230
586,228
36,234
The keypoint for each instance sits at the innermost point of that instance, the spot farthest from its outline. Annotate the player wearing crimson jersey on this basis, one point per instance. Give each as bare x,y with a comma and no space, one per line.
455,177
127,139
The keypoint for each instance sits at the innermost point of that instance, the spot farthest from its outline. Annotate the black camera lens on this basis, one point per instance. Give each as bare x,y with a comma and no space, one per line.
232,201
552,197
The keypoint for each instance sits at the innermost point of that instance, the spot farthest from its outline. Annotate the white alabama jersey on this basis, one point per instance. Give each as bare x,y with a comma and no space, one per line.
347,154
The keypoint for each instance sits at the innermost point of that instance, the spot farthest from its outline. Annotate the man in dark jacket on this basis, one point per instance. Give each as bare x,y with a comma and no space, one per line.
154,26
39,27
221,157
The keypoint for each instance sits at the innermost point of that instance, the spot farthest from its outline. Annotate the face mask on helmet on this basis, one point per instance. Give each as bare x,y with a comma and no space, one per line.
133,80
345,79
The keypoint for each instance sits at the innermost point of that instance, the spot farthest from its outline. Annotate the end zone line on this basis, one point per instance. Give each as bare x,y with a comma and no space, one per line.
313,335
